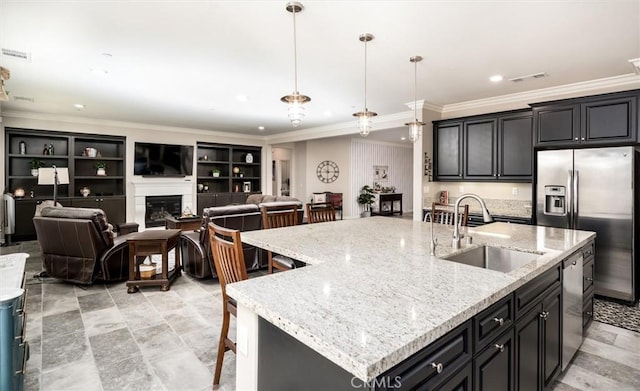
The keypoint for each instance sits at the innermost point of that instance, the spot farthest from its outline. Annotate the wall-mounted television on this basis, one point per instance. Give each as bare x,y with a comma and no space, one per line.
163,159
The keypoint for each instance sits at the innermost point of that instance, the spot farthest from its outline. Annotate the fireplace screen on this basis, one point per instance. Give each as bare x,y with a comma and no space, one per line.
160,207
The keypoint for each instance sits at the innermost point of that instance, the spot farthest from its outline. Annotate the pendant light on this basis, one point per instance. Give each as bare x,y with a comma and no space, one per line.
295,100
415,127
364,116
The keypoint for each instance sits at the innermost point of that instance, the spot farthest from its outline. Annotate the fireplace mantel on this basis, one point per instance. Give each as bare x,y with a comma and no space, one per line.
160,187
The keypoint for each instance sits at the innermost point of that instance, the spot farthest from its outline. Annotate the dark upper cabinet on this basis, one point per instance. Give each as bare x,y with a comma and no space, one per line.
448,147
515,147
479,144
485,148
596,120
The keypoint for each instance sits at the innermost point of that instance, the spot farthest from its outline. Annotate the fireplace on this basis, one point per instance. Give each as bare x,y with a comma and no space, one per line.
160,207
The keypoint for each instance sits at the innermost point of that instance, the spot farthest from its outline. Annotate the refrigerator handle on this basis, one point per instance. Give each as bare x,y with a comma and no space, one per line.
569,204
576,213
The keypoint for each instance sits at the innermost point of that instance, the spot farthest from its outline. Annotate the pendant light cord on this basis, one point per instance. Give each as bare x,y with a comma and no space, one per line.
365,75
415,90
295,55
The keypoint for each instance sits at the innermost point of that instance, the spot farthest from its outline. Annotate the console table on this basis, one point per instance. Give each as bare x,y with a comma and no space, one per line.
388,204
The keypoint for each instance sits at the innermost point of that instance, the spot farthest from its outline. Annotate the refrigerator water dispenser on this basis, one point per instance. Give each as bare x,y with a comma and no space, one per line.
555,202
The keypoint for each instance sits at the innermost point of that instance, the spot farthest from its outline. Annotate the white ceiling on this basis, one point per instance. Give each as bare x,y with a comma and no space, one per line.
182,63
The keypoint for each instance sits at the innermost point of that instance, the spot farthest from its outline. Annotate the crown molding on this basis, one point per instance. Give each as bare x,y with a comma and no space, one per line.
422,104
122,124
340,129
628,80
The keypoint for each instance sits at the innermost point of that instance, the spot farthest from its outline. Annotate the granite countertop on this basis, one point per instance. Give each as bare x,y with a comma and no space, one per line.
11,275
373,295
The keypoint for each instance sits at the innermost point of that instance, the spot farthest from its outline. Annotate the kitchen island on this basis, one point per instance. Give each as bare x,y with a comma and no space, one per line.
373,296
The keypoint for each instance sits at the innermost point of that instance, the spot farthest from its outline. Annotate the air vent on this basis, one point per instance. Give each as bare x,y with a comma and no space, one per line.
24,99
538,75
17,54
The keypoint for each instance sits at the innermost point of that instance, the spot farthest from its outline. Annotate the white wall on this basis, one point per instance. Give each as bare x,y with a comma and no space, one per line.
366,154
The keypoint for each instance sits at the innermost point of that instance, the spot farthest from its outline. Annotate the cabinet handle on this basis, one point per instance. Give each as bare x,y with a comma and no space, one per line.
499,320
499,347
583,139
576,139
589,313
589,279
544,315
439,367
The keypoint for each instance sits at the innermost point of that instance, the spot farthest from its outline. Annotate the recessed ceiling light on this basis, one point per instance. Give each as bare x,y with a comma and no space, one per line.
403,138
260,127
328,113
242,98
496,78
78,106
99,71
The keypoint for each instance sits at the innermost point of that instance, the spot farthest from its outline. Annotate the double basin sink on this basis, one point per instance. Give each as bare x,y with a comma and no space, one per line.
493,258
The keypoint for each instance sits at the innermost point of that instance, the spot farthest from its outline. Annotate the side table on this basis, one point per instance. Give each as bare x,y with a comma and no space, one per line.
183,223
143,244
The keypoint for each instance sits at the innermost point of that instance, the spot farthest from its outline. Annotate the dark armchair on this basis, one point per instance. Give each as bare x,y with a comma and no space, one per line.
78,245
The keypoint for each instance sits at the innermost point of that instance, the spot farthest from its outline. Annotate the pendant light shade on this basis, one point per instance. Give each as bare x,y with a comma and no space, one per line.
295,100
365,116
415,127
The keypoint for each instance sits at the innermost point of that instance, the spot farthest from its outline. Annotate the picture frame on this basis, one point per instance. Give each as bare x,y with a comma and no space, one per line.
246,187
380,173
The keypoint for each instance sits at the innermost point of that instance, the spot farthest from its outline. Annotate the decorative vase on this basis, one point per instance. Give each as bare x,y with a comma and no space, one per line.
200,187
85,191
249,158
215,174
101,172
34,172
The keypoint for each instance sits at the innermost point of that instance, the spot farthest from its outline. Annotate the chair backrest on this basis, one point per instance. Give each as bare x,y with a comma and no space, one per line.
444,213
277,216
228,257
320,213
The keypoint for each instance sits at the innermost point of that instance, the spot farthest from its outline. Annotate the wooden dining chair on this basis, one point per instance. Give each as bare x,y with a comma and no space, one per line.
228,260
444,214
278,216
320,213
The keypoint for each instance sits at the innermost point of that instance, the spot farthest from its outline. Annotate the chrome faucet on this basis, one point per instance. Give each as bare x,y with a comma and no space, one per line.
434,242
486,217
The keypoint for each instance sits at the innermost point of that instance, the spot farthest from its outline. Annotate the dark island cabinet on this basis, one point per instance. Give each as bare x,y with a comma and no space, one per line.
588,121
538,333
492,147
494,367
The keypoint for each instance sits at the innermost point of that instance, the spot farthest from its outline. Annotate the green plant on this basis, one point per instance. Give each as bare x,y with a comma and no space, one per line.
101,165
366,197
35,164
216,171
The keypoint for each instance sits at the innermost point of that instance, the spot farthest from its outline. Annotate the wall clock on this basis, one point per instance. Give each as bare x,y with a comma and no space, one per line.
327,171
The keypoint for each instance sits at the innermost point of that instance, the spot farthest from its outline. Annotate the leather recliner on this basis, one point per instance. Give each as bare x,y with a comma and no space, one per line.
195,246
78,245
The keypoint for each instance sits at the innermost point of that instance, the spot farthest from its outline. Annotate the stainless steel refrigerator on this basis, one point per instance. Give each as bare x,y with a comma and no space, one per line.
593,190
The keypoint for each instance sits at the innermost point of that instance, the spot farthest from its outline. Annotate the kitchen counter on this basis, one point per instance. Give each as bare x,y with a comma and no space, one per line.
372,295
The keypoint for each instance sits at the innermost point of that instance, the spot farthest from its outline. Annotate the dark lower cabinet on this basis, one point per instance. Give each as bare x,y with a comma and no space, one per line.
538,337
113,207
493,369
461,381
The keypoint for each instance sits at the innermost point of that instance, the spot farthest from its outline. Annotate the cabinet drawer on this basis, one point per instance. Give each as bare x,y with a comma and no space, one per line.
493,321
588,251
530,294
587,272
434,363
587,310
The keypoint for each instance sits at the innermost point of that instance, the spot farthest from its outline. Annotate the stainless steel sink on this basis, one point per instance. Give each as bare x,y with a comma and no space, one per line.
494,258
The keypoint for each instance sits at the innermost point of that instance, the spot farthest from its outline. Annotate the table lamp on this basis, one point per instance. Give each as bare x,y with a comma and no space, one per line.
53,176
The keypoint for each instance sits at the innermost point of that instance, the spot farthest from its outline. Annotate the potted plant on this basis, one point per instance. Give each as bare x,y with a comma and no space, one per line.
100,168
35,164
366,199
215,172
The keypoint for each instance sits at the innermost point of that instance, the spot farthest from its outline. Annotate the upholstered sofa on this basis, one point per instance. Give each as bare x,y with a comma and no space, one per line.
78,245
196,248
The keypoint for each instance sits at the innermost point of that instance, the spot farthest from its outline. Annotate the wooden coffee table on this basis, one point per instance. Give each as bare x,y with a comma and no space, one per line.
183,223
146,243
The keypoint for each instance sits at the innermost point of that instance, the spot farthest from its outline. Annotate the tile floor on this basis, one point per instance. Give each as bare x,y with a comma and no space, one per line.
102,338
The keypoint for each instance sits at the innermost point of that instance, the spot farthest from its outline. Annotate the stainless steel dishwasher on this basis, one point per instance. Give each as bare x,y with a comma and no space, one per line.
571,307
